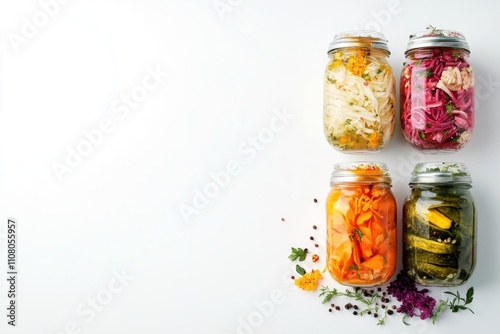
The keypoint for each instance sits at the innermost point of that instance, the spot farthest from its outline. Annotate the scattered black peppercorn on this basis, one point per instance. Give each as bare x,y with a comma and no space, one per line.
315,200
355,313
390,312
355,307
282,219
315,227
337,308
329,310
293,277
375,315
316,245
383,306
369,312
311,237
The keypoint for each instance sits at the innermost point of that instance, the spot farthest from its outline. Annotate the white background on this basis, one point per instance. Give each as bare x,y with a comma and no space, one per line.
222,268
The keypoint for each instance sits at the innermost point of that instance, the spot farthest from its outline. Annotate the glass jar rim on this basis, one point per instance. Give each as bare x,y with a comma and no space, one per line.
359,38
437,38
441,173
360,172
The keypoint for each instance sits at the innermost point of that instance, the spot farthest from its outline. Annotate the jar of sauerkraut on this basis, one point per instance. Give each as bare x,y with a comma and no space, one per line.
439,225
359,92
361,224
437,91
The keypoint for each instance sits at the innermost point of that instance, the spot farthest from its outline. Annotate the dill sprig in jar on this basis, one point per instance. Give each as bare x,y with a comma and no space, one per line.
359,92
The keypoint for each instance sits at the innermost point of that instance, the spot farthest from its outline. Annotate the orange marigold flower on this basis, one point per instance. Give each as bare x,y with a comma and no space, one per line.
357,64
309,281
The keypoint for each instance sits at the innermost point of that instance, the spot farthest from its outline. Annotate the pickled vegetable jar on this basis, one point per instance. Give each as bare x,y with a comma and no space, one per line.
361,224
437,91
439,225
359,92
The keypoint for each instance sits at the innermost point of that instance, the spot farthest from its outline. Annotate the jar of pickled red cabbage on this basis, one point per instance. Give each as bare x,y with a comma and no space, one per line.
437,91
359,93
439,225
361,224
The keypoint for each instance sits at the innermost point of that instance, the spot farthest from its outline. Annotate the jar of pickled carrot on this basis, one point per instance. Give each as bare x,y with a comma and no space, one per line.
359,93
361,224
437,91
439,225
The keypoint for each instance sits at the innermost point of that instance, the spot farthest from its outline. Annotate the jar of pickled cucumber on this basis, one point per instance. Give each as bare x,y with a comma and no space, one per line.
439,225
361,224
359,93
437,91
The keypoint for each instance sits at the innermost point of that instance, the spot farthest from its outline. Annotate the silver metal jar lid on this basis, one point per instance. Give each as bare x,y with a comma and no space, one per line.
440,172
359,38
360,172
437,38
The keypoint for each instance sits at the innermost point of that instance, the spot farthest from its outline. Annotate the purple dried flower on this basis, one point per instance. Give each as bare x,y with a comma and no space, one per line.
426,306
406,292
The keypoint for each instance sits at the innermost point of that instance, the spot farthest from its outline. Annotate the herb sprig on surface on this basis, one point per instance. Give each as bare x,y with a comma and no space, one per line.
456,304
373,300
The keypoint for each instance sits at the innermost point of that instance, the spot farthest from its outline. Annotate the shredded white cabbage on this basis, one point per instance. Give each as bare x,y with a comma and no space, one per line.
359,109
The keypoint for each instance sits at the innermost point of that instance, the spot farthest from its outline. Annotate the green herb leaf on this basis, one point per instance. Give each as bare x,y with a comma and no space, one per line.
426,73
327,293
300,270
297,253
454,295
449,108
469,297
356,232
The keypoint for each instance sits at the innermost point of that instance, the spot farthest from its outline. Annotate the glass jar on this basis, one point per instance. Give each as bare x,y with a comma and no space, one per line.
439,225
437,91
361,224
359,92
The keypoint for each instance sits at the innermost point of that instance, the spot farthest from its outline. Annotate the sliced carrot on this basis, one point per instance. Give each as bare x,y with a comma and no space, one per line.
364,217
366,248
356,251
375,263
